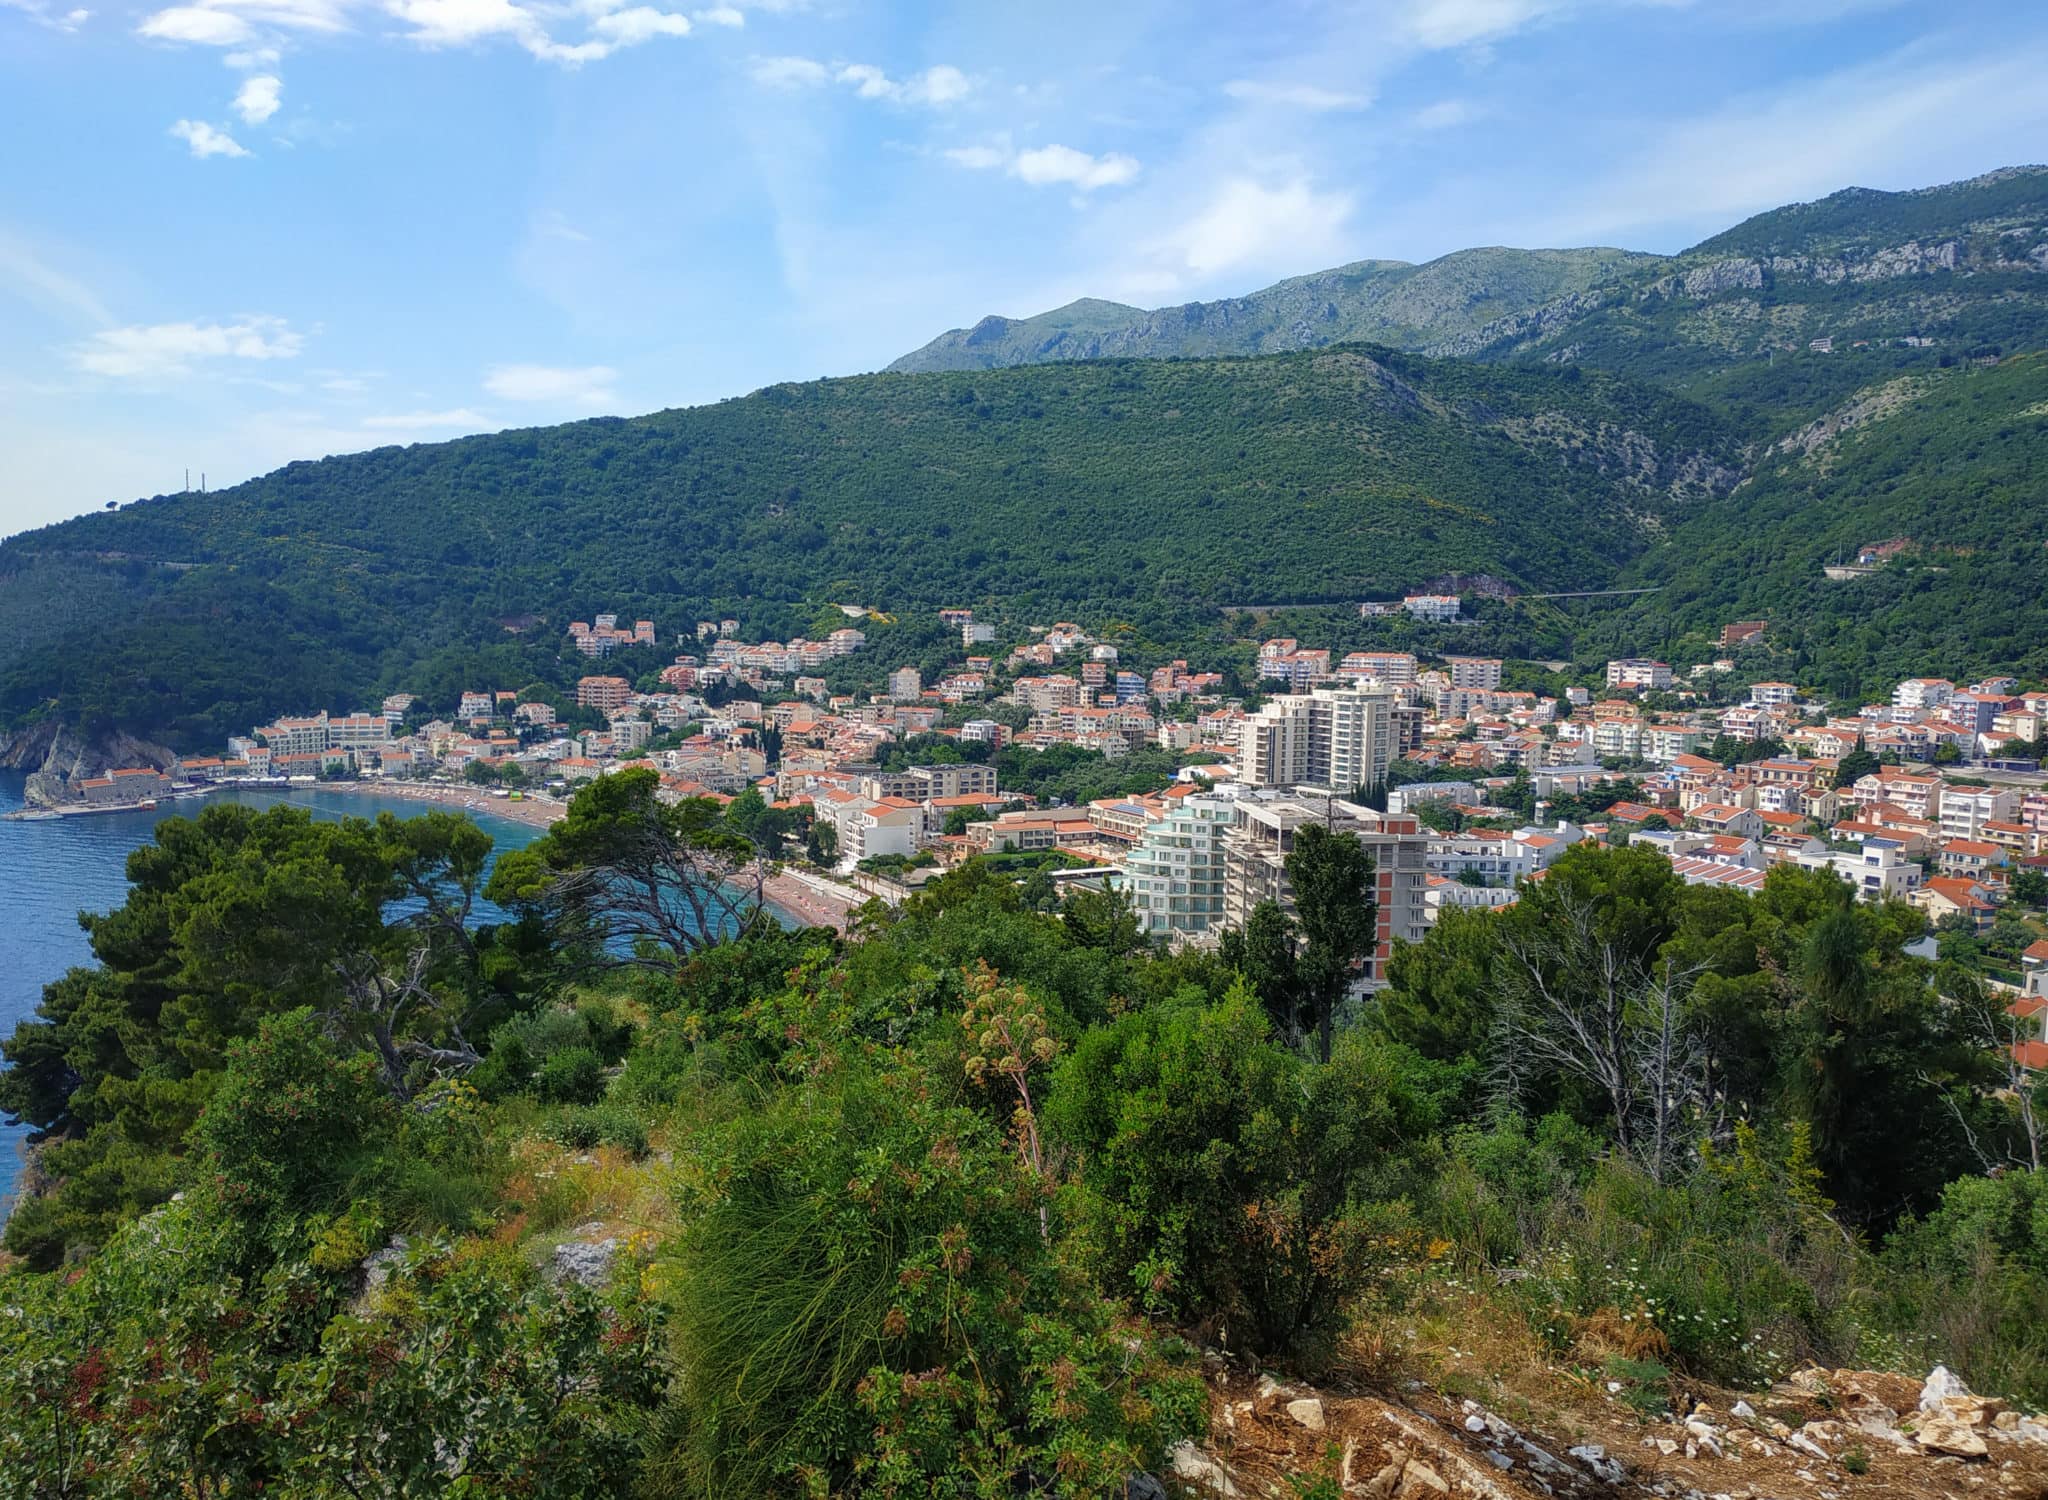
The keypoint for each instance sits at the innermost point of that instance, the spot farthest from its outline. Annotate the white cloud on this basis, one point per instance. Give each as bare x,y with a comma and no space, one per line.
640,23
722,15
429,421
43,14
1459,23
1048,164
1444,114
35,280
1247,224
589,386
199,25
235,23
258,98
788,72
936,86
1296,95
153,351
250,25
980,158
1042,166
207,140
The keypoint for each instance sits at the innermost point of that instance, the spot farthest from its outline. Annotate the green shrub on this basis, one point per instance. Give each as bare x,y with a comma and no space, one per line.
1222,1176
290,1125
575,1075
609,1033
863,1299
1968,1285
584,1127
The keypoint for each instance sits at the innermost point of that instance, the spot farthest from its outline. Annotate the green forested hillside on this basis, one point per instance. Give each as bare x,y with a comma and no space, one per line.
1792,311
1955,463
1863,363
1153,492
1373,301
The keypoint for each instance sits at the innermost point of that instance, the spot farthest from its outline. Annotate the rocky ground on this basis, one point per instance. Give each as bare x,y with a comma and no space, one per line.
1825,1434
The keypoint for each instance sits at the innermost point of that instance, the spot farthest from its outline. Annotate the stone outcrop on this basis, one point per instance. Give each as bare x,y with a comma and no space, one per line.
56,756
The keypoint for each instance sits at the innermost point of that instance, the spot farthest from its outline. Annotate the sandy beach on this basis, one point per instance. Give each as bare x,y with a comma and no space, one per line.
537,811
812,899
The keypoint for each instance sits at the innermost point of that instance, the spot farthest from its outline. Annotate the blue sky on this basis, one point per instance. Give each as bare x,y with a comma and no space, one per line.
238,232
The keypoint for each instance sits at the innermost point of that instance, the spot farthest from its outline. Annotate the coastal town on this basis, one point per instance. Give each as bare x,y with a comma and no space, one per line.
1460,786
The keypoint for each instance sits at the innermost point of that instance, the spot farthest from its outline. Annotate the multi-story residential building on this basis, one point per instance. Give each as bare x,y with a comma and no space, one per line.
1042,693
296,736
1262,834
358,732
1437,608
906,684
1923,692
1341,738
1615,739
603,693
1176,870
1964,810
1664,743
1481,672
1773,694
1394,668
923,783
1639,674
1916,796
1295,668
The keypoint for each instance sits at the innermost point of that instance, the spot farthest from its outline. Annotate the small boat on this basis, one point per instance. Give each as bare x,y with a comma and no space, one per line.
33,815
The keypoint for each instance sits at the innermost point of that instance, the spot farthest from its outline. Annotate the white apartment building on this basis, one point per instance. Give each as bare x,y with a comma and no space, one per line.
1966,809
1612,739
1923,692
1176,869
1663,743
1261,836
1438,608
905,684
1482,672
1879,870
1638,673
358,732
1341,738
1394,668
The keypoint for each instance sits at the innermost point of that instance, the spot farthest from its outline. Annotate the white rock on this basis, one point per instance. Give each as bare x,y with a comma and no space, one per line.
1942,1383
1267,1388
587,1262
1196,1467
1308,1412
1499,1459
1475,1424
1807,1446
1743,1411
1595,1458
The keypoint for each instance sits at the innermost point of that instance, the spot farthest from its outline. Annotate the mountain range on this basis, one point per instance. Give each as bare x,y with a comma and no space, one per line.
1372,301
1717,425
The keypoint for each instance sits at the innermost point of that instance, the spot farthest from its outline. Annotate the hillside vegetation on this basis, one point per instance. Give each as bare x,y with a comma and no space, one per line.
1820,377
1369,301
1145,491
342,1197
1952,464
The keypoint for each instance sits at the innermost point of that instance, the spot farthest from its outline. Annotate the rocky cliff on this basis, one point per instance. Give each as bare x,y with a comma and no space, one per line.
57,756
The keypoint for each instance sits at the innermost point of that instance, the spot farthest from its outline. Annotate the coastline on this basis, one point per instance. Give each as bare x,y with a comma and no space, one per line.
532,810
817,901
